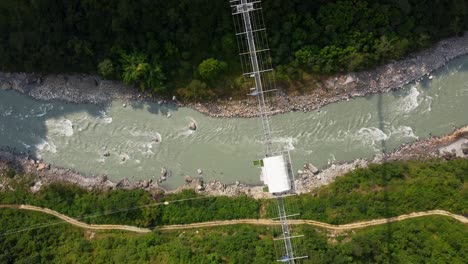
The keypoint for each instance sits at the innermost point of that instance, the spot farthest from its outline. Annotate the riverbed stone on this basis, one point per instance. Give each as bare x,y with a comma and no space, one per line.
124,183
464,148
42,166
192,125
103,178
145,184
188,179
312,168
163,171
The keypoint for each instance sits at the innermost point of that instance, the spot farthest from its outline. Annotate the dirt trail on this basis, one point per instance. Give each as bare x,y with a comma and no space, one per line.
76,222
344,227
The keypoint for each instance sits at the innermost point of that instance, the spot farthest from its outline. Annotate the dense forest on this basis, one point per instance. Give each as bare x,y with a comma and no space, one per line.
189,48
420,240
380,191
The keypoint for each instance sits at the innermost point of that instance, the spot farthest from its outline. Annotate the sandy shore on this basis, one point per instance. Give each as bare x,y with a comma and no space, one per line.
92,89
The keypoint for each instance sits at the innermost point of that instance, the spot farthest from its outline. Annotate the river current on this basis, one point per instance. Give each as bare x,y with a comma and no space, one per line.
136,141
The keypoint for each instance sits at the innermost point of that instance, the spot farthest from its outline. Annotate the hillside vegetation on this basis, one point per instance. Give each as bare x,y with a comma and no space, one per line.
189,48
380,191
423,240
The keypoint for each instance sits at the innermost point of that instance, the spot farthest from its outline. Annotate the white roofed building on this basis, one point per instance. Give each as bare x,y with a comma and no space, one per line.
275,174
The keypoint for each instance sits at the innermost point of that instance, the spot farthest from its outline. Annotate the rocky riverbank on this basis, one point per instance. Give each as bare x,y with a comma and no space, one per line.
307,178
346,86
92,89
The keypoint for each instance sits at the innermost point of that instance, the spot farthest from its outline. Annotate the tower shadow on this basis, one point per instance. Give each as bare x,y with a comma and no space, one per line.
386,178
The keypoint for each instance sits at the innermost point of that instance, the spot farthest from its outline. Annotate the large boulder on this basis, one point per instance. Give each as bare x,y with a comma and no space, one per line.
188,179
464,148
312,168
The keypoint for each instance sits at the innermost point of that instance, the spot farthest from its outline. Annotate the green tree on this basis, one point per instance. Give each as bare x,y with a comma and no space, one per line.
195,91
211,69
136,70
106,69
134,67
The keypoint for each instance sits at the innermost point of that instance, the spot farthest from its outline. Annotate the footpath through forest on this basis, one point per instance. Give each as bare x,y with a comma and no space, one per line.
268,222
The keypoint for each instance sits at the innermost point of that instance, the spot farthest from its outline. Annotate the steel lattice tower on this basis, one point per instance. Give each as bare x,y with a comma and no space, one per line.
256,64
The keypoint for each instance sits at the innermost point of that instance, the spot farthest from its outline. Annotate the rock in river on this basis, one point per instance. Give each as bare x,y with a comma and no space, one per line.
163,171
312,168
192,125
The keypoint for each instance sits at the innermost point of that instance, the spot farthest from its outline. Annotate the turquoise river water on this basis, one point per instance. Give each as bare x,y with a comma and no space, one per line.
140,139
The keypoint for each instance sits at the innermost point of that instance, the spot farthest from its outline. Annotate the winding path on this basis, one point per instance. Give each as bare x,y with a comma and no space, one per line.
344,227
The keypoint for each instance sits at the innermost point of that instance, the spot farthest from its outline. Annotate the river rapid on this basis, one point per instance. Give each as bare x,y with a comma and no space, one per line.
137,140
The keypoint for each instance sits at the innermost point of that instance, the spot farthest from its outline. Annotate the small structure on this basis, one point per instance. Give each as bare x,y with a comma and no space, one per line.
275,174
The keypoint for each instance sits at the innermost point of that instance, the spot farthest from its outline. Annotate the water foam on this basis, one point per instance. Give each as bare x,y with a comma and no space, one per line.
288,142
403,131
46,146
104,118
7,112
148,136
44,109
371,135
410,102
25,145
428,100
61,127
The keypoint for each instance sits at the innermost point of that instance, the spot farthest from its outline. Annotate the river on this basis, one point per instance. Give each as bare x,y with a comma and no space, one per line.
136,141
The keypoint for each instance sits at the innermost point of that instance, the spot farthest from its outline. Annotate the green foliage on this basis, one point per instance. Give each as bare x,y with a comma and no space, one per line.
106,69
136,70
211,69
130,206
423,240
375,192
321,37
387,190
196,91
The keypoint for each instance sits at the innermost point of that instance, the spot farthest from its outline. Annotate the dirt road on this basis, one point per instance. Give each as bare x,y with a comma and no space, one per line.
344,227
